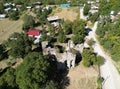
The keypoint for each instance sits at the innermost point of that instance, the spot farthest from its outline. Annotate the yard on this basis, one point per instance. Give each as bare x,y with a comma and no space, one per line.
8,27
83,78
70,13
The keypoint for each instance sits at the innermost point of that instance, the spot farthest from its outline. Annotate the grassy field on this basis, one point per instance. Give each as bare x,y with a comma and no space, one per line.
70,13
83,78
8,27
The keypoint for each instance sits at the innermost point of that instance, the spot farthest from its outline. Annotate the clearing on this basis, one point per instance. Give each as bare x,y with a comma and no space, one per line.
70,13
82,77
8,27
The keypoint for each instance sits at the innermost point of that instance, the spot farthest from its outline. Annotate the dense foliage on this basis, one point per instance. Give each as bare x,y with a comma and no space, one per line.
19,45
8,80
109,38
107,6
79,31
94,17
67,27
13,15
2,50
33,72
86,9
29,22
1,8
90,58
61,36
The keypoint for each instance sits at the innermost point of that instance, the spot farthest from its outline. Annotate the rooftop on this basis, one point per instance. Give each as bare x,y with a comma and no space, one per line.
33,32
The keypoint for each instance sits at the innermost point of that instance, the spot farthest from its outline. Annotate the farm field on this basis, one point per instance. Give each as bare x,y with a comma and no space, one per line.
82,78
8,27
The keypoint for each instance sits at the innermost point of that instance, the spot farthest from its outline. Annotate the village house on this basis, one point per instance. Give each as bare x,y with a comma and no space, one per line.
53,18
93,11
54,21
34,33
94,7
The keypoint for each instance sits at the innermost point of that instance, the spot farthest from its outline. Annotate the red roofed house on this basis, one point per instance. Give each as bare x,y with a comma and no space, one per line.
33,32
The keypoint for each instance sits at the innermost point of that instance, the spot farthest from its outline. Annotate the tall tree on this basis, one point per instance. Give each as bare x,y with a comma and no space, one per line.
88,57
19,45
68,27
61,35
86,9
7,80
13,15
33,72
78,31
29,22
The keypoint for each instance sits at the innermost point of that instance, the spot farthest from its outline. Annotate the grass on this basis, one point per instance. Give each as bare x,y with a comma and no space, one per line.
8,27
81,77
70,13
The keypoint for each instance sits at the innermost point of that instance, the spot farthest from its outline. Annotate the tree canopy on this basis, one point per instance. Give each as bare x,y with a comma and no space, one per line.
8,80
13,15
109,38
33,72
19,44
79,31
29,22
88,57
86,9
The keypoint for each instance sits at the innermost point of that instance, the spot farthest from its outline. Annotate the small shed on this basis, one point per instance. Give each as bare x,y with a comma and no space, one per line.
65,5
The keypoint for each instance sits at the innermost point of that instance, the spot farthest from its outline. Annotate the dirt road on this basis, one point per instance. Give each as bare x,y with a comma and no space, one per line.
108,70
81,14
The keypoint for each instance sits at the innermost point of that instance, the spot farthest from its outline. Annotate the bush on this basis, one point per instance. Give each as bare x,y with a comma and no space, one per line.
90,42
99,81
86,9
13,15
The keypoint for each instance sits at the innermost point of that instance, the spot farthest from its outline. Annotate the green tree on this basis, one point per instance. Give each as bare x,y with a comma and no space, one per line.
51,30
13,15
33,72
51,85
68,27
78,31
86,9
1,8
29,22
88,57
19,45
94,17
2,49
61,36
77,39
7,80
91,42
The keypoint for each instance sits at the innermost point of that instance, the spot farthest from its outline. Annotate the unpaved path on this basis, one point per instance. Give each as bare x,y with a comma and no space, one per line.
108,70
81,14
